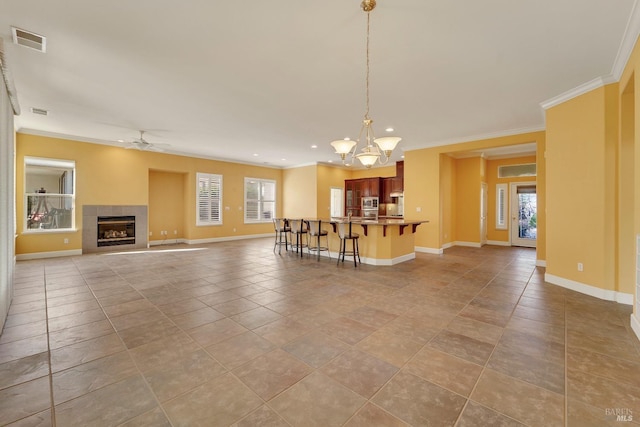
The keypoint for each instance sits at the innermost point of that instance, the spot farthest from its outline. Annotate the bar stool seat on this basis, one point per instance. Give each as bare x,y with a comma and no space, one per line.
298,228
282,232
316,233
345,233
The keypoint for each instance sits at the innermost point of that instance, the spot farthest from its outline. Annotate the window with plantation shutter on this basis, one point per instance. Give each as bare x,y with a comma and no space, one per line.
209,199
259,200
501,206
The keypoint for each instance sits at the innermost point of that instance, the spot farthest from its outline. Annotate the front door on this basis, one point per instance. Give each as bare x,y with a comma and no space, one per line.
524,214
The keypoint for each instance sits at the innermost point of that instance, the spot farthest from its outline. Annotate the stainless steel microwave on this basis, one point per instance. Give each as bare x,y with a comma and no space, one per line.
369,203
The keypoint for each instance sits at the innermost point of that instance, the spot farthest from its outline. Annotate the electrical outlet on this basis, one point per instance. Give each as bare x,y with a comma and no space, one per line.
66,241
418,209
580,267
151,233
175,231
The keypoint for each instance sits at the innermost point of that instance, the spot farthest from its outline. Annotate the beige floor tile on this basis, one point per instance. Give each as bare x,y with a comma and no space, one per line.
181,307
148,332
110,405
371,316
235,306
183,374
315,349
15,350
75,334
90,376
582,415
602,392
76,319
156,353
154,418
419,402
263,416
445,370
520,400
85,351
605,366
372,415
219,402
474,329
212,333
27,330
24,369
347,330
389,347
256,317
317,401
360,372
196,318
74,308
475,415
271,373
23,400
609,346
281,331
41,419
128,307
461,346
240,349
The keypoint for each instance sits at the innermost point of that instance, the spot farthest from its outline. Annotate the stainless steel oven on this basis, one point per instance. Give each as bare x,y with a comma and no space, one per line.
370,207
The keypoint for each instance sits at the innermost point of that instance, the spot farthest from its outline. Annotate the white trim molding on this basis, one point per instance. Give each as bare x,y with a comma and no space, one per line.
635,325
432,251
628,42
498,243
468,244
593,291
541,263
577,91
53,254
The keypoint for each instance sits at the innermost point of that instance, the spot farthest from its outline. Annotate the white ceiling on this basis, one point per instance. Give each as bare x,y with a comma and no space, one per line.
230,79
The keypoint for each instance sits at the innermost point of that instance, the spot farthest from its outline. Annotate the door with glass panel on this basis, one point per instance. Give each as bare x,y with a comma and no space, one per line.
524,214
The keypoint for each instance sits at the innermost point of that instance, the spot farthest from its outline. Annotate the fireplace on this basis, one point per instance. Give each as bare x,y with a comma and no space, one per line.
116,230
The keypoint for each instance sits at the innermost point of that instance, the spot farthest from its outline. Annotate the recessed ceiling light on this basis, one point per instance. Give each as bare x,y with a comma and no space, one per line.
330,161
121,140
389,129
314,146
402,156
283,159
255,154
347,139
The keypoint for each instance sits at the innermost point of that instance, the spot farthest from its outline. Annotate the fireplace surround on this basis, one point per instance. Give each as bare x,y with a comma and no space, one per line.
114,227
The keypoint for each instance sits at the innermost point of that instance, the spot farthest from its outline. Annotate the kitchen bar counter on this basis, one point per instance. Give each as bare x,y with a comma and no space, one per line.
380,242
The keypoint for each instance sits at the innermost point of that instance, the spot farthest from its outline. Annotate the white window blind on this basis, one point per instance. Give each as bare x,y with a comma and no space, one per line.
501,206
259,200
209,199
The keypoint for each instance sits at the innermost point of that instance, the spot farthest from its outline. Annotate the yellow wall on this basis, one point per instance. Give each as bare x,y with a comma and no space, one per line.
448,205
166,205
579,221
494,234
467,190
107,175
383,171
301,183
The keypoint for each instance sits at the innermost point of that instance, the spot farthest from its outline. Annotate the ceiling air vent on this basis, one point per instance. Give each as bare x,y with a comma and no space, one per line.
28,39
40,111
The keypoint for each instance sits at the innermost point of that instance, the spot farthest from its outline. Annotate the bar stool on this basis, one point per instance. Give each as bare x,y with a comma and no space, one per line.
344,232
315,233
298,227
282,231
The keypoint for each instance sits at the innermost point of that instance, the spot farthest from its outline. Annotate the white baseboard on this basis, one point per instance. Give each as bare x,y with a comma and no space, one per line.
541,263
635,325
166,242
426,250
468,244
498,243
604,294
448,245
53,254
226,239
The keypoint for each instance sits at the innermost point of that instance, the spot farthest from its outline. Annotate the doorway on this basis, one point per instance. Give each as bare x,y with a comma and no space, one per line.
524,214
337,201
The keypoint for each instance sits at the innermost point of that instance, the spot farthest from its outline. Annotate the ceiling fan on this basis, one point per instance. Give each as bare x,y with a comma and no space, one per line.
144,145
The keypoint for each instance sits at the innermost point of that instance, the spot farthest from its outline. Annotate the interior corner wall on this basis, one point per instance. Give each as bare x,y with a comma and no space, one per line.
7,203
578,218
448,205
469,173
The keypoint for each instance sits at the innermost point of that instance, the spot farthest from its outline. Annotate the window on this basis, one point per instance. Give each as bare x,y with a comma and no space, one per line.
513,171
209,199
501,206
49,194
259,200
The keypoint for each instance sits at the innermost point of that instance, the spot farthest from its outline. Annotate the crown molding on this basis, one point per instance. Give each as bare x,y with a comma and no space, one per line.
577,91
479,137
628,42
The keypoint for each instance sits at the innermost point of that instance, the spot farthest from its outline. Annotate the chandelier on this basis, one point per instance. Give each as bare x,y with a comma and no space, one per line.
370,154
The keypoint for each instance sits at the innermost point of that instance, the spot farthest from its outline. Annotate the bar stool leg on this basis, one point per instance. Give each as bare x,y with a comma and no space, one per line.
354,244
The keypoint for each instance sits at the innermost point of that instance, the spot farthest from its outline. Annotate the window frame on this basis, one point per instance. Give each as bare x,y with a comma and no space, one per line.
59,164
209,221
502,210
260,200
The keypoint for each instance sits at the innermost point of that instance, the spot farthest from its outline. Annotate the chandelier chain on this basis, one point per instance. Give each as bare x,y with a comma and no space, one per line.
366,114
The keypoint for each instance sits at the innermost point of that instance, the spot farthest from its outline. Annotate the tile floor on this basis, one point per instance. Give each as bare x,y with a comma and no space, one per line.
233,334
